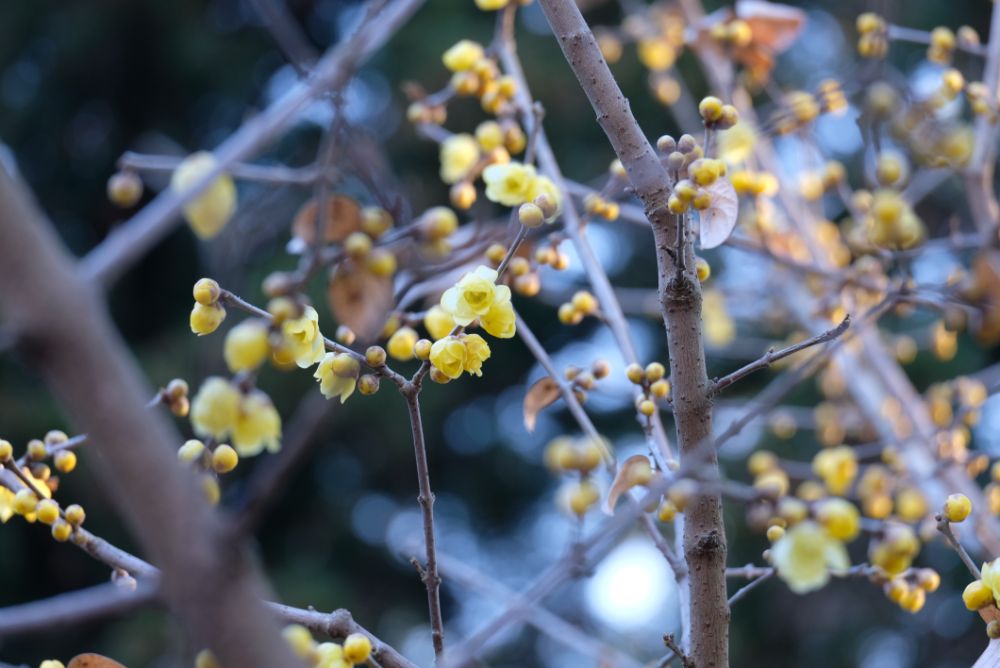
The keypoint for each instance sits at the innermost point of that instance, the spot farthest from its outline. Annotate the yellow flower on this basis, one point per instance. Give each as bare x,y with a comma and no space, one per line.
215,408
463,55
246,345
337,374
257,425
806,555
991,577
491,5
205,319
438,322
477,351
448,355
401,343
499,320
894,551
543,185
509,184
837,467
737,143
459,154
474,295
303,338
209,212
51,663
840,518
6,504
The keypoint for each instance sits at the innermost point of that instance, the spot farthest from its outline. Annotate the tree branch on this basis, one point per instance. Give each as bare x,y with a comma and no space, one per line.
680,294
772,356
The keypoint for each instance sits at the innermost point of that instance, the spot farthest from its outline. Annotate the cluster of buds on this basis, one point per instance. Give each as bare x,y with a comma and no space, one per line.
355,650
209,461
582,381
873,41
578,458
175,397
942,46
597,206
653,383
579,307
477,75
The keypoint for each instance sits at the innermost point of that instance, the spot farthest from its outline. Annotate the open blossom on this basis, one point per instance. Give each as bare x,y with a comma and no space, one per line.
499,320
215,408
209,212
510,184
806,555
246,345
459,154
837,467
991,577
303,338
448,355
337,374
257,425
477,351
438,322
474,295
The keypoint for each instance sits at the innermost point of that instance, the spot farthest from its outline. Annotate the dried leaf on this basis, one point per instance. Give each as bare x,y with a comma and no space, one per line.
360,300
343,216
93,661
775,27
719,219
634,471
543,393
986,274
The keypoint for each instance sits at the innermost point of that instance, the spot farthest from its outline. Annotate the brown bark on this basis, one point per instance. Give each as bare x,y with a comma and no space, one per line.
64,329
680,296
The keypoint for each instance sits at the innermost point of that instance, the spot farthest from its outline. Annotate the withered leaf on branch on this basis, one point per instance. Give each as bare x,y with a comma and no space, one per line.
719,219
93,661
359,299
541,394
634,471
343,216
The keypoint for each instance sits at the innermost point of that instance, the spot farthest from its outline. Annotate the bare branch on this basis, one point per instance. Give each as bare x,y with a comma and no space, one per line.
77,607
772,356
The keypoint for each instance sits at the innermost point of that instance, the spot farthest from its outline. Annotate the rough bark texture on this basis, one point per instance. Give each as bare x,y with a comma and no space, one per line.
680,295
63,328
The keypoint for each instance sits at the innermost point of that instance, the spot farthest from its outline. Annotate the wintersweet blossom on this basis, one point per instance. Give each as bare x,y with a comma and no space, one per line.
509,184
806,555
477,351
448,355
246,345
463,55
474,295
209,212
990,575
438,322
257,425
215,408
499,321
459,154
303,338
337,374
837,467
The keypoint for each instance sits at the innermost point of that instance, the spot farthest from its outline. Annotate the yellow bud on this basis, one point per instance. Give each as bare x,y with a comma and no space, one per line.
206,291
710,109
37,450
957,507
530,215
61,530
660,389
191,451
977,595
381,262
47,511
75,514
667,511
299,639
375,356
210,488
703,269
6,450
247,345
224,459
654,371
206,659
401,343
775,533
368,384
25,502
584,302
635,373
206,319
124,189
357,648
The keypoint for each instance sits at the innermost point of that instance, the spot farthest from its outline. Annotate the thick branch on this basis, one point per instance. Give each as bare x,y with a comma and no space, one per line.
64,329
680,294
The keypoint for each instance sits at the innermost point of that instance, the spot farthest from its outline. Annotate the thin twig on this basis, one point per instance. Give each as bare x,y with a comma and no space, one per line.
944,528
749,587
772,356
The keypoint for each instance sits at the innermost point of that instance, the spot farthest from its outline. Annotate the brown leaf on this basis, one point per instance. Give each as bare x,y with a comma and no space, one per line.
360,300
93,661
775,27
343,216
634,471
986,274
541,394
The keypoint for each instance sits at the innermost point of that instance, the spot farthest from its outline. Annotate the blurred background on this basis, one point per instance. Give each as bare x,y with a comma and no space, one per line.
83,82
